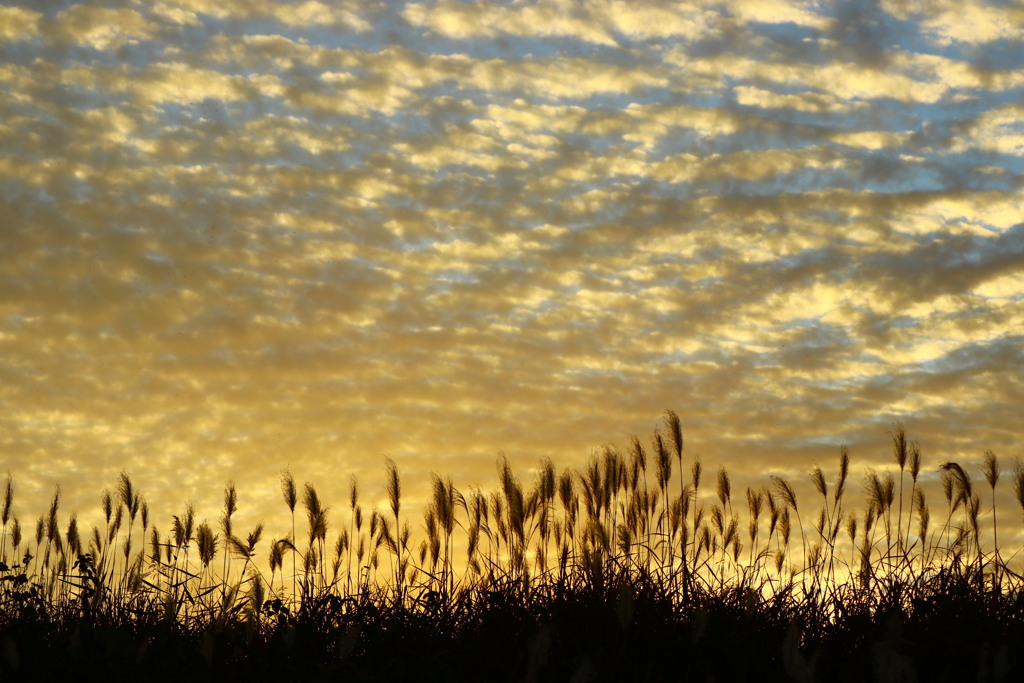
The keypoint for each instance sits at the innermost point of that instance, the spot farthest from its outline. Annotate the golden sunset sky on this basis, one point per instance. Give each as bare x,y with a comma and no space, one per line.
243,235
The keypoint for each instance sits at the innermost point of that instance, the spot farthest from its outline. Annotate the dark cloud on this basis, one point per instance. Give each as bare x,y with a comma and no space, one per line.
863,32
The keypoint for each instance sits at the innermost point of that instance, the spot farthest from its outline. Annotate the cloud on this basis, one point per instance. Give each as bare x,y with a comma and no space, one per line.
175,14
313,12
563,77
461,21
972,23
249,235
18,23
295,14
777,12
1001,130
598,23
102,28
806,101
871,139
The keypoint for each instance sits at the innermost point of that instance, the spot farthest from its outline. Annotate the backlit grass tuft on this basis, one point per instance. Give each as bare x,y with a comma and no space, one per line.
629,568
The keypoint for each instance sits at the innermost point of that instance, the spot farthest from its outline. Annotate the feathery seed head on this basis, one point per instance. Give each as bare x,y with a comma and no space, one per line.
190,517
888,490
991,469
288,492
118,518
947,484
311,501
1018,483
178,529
206,541
675,432
567,489
724,488
899,444
612,479
394,486
444,502
784,491
961,481
276,559
973,508
8,499
730,535
309,560
125,491
875,494
316,513
663,461
51,521
919,500
73,539
717,519
637,451
546,480
154,545
844,471
773,513
107,505
755,502
254,537
703,538
915,460
230,499
633,478
818,479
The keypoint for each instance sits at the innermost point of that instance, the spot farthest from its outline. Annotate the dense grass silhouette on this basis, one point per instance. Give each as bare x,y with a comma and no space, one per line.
629,568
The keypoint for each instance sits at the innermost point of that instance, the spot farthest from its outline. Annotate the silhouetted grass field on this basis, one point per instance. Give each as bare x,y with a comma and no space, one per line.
635,567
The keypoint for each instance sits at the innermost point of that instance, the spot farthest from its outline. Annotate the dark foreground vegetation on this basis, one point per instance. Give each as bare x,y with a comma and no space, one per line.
631,568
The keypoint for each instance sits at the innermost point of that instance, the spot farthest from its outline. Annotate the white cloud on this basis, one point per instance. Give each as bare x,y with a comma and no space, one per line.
871,139
463,21
973,22
171,12
103,28
1001,130
778,12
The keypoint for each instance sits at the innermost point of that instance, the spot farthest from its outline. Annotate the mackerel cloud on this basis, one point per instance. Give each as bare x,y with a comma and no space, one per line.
239,236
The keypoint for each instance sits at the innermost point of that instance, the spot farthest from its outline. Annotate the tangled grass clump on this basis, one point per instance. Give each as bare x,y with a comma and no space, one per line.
626,569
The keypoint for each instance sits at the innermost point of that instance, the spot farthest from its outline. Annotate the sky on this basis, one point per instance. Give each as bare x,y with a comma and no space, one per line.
240,236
